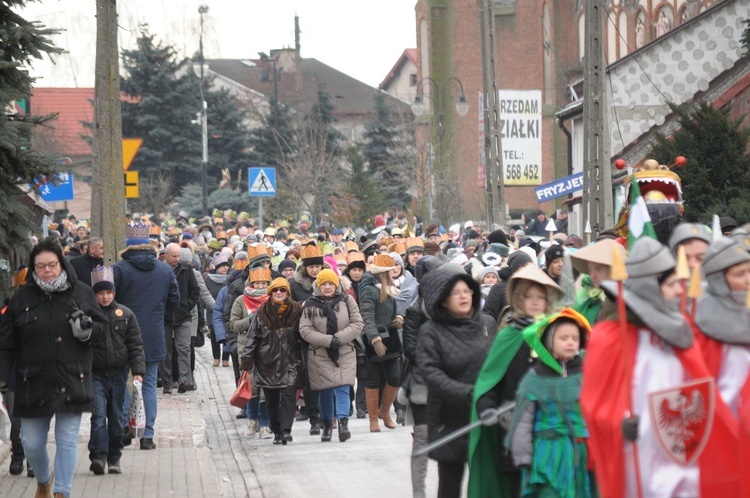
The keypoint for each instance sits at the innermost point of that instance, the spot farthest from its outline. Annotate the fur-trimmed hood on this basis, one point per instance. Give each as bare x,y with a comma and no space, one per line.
303,279
142,256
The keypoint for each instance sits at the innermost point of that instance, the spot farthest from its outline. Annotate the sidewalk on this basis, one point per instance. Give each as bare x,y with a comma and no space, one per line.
202,452
180,466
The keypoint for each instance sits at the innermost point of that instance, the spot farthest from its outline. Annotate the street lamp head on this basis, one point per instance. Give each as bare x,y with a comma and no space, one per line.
418,106
462,107
203,9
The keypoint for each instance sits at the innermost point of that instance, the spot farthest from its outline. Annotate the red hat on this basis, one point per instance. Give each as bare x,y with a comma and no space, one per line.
379,221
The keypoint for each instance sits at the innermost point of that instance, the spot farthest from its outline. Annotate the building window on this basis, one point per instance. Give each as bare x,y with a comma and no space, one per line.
413,79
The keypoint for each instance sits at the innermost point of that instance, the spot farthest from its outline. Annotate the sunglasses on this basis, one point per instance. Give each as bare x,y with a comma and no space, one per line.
276,291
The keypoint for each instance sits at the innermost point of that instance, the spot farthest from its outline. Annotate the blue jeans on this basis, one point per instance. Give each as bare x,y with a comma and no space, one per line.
256,409
34,432
342,402
106,416
149,399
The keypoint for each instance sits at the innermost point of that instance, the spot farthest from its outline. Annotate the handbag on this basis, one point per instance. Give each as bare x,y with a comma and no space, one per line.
137,412
243,393
200,338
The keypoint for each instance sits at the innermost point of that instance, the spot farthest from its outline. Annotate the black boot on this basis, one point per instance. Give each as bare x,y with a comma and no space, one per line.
16,465
327,431
344,433
277,439
315,426
127,436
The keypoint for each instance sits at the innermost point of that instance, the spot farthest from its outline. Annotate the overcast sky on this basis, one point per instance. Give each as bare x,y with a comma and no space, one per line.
362,39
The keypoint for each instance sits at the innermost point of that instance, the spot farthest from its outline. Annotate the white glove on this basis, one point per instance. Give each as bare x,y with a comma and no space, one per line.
80,333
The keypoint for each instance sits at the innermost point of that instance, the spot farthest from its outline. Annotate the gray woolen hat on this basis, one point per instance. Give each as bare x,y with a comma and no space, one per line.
686,231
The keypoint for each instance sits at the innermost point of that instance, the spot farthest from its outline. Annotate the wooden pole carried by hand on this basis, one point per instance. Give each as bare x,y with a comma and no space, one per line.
695,290
682,271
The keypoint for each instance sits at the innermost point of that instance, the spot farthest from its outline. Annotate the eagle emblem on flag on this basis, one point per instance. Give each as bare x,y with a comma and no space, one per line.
682,418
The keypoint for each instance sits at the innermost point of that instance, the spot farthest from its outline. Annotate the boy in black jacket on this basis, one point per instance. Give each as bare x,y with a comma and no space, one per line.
122,351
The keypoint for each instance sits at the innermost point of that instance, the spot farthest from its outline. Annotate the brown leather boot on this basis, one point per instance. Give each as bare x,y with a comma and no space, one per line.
45,490
373,398
389,395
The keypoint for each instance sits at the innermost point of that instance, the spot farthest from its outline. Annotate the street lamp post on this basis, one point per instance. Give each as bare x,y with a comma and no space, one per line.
442,94
203,9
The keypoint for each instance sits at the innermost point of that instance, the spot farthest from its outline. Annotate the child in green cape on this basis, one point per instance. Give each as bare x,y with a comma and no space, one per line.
547,435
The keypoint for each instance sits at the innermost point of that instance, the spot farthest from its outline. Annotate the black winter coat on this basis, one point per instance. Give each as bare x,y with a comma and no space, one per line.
301,285
83,265
378,318
122,346
53,368
190,294
274,356
450,354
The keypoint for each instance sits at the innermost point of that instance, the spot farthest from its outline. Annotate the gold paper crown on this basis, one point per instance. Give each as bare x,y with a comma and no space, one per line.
310,251
136,231
154,230
383,261
351,246
260,275
102,274
340,258
241,264
397,247
414,242
385,241
221,235
355,256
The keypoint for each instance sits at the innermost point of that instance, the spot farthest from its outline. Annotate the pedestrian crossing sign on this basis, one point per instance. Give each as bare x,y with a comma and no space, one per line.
261,181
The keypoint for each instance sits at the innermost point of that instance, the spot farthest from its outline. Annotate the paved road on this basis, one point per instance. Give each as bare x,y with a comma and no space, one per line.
202,452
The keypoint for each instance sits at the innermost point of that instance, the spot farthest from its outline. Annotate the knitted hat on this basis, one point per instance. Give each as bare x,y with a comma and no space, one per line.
214,245
310,255
287,263
102,278
327,276
259,275
555,251
431,248
382,263
186,255
279,283
397,259
486,271
137,234
220,260
332,263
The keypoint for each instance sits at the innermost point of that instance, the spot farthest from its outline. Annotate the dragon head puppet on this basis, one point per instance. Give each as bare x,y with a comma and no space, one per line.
661,189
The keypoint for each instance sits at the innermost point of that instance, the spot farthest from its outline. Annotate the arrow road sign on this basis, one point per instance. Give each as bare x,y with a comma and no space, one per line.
262,181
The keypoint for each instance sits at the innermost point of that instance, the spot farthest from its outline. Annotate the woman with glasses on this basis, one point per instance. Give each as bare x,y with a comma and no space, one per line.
46,333
272,354
532,294
450,350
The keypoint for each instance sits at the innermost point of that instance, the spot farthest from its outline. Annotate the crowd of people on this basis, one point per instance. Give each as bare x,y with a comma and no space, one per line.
583,382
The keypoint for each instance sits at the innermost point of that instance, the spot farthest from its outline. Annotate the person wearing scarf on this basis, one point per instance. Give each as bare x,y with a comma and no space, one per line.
215,280
244,310
492,472
595,263
330,323
44,333
273,356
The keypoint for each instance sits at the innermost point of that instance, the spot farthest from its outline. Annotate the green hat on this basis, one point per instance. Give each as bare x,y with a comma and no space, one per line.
215,245
533,335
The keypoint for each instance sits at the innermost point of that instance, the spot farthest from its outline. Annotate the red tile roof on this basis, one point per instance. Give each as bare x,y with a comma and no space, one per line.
73,106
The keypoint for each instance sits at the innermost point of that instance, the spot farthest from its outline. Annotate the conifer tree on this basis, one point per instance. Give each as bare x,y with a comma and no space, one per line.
21,42
716,178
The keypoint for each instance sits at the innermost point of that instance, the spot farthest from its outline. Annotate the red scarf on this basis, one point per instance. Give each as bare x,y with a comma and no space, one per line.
252,303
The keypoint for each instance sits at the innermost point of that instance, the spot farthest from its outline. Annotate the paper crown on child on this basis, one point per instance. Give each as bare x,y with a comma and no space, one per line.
136,234
102,278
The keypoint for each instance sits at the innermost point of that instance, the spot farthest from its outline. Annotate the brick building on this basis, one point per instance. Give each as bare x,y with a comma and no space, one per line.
539,53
